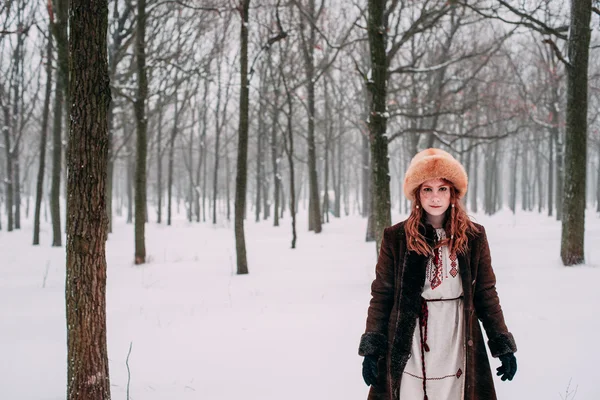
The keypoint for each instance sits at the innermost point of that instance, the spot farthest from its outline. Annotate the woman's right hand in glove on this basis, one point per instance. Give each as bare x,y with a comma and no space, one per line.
369,369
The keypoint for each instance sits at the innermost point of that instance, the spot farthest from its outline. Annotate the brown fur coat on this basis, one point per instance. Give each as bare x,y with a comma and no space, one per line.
395,305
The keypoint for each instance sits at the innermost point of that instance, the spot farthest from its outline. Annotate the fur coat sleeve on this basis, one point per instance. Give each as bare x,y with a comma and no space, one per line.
374,341
487,303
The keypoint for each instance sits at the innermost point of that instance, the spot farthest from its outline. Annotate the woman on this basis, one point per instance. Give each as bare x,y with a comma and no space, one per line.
434,280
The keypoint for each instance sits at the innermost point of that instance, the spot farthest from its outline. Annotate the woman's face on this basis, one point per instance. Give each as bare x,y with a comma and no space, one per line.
435,196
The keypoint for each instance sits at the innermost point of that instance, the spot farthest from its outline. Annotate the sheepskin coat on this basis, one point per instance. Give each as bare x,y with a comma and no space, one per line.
396,303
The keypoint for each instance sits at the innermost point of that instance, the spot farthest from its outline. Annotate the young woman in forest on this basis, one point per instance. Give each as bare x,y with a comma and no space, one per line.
434,281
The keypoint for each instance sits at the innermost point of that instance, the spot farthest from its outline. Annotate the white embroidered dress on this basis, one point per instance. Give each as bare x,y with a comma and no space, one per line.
445,361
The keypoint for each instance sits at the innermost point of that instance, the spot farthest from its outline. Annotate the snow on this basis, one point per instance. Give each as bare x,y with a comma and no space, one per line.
288,330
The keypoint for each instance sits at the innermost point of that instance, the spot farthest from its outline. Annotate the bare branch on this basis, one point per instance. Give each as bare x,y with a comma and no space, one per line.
557,52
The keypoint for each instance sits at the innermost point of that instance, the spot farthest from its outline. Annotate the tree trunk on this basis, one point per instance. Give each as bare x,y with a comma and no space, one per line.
573,221
598,179
170,166
337,173
159,167
87,223
551,173
288,145
378,119
365,176
191,173
259,150
538,174
275,156
242,159
9,171
227,186
525,176
560,173
217,150
513,181
59,91
39,193
474,180
141,133
202,160
129,183
314,212
17,123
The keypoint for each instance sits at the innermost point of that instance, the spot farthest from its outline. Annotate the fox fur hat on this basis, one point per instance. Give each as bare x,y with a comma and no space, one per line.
434,164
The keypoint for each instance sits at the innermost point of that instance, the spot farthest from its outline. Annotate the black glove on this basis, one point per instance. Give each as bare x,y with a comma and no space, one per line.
369,370
508,369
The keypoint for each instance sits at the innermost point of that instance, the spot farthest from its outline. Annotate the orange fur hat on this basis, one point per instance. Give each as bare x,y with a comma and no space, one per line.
434,164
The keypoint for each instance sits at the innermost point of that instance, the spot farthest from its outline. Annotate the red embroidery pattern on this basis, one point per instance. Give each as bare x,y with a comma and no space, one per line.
436,276
453,270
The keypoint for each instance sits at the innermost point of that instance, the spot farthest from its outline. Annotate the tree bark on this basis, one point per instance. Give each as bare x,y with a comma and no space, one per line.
39,193
378,119
141,133
242,158
573,221
87,222
314,212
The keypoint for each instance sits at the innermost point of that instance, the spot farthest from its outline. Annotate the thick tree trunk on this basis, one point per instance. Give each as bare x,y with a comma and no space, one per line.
242,157
378,119
87,377
573,221
141,133
39,193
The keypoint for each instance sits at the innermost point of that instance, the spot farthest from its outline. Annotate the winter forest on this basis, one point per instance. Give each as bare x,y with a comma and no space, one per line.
200,186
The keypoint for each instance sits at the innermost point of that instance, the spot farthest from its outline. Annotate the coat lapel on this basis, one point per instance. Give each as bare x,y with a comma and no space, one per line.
409,307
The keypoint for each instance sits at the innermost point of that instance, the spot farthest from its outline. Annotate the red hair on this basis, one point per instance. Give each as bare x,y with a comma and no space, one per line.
457,225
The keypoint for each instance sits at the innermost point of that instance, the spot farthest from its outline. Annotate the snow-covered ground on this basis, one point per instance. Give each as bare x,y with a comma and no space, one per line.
290,329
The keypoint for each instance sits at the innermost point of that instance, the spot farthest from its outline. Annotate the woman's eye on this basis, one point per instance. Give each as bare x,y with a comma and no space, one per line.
443,189
427,189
